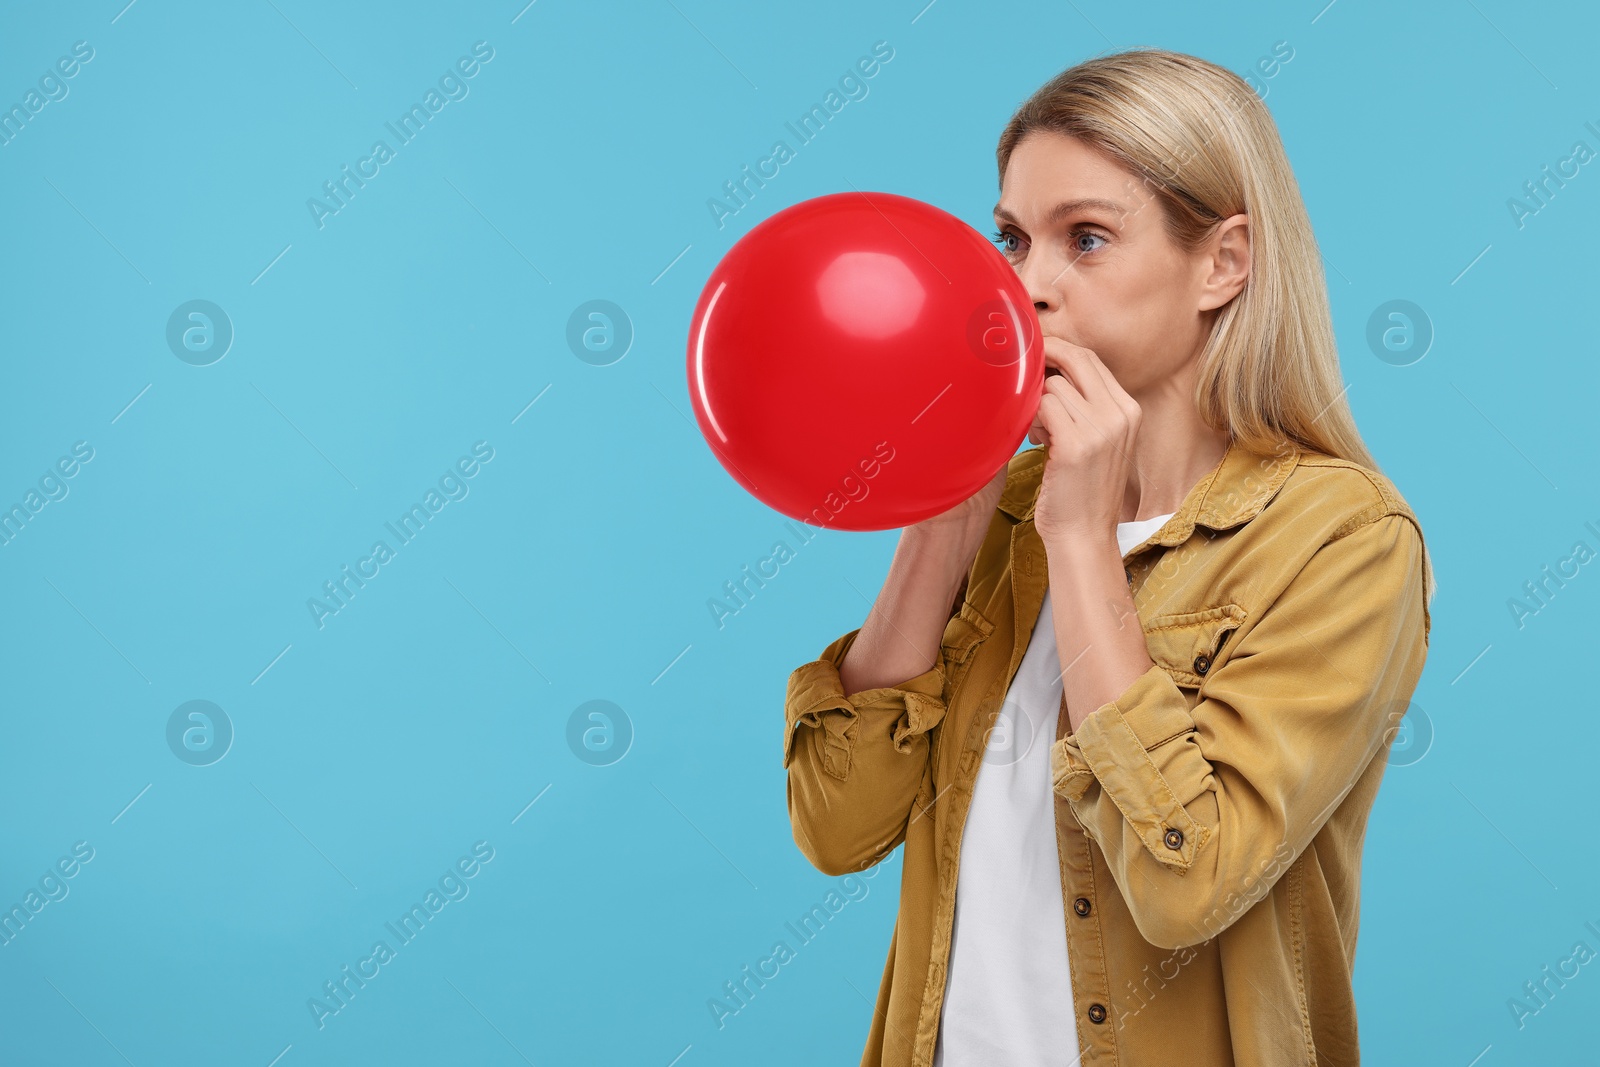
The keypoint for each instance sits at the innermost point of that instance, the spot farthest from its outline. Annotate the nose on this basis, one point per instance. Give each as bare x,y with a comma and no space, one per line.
1036,275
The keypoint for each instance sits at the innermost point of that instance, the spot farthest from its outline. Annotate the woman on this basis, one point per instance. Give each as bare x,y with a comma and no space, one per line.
1152,856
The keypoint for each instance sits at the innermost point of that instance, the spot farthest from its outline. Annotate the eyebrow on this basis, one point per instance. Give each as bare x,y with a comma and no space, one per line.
1066,207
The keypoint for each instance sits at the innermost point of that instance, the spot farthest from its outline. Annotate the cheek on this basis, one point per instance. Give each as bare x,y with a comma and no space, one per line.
1135,321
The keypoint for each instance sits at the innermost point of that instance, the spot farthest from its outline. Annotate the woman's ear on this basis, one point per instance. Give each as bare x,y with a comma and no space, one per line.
1227,261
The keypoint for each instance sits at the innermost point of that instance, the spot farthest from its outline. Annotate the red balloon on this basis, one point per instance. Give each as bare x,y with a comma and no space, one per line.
864,361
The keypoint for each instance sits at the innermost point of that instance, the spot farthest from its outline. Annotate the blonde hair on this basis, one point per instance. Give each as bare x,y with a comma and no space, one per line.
1206,147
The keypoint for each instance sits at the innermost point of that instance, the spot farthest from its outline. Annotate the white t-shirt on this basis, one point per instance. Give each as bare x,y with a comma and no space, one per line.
1008,992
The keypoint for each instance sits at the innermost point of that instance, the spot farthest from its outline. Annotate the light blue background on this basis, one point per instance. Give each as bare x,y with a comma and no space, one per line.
426,715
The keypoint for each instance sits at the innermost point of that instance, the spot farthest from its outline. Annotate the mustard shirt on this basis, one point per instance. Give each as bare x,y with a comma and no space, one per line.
1209,820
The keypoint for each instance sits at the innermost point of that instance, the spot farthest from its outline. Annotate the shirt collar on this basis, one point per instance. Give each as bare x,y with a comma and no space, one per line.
1231,493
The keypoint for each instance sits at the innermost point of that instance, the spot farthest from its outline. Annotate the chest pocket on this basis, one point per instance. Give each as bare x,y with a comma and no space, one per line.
962,634
958,647
1186,644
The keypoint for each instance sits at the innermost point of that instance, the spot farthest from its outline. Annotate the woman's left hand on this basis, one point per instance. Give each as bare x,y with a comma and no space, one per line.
1089,423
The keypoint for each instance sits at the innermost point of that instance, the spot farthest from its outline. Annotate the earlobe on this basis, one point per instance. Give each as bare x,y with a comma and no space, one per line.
1230,262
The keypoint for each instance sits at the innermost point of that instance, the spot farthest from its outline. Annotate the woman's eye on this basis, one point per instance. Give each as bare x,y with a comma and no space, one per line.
1000,238
1079,238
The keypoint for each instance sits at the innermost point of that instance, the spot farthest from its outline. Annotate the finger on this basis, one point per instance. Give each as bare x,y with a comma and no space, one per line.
1056,352
1113,387
1055,418
1096,410
1081,367
1076,363
1101,372
1071,400
1117,396
1065,429
1105,421
1109,408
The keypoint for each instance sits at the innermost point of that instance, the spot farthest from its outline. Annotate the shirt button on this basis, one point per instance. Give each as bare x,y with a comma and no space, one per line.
1097,1013
1202,663
1081,905
1174,839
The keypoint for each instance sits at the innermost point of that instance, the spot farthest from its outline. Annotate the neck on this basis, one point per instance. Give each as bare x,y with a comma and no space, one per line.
1173,451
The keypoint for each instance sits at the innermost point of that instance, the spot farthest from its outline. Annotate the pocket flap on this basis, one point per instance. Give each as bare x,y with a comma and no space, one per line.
963,632
1186,644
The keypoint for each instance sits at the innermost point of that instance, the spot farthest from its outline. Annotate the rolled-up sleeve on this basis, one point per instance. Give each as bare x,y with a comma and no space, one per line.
856,762
1199,810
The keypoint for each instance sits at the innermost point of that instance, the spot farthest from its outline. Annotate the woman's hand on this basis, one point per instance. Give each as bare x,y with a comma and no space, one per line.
1089,424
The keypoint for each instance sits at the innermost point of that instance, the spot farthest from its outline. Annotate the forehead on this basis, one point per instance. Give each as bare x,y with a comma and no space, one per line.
1047,170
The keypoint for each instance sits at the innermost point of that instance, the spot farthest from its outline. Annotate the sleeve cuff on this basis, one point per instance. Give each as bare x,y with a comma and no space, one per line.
816,698
1116,746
